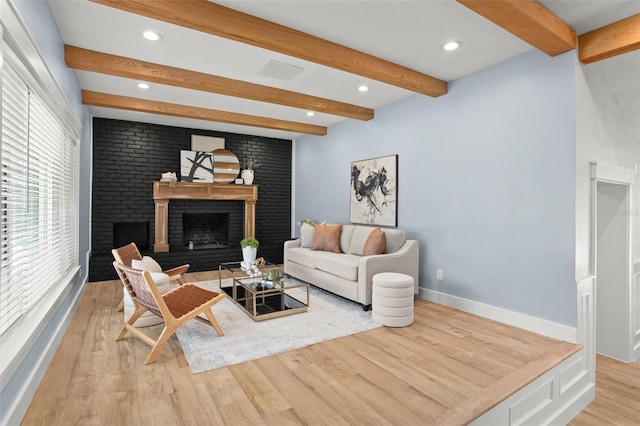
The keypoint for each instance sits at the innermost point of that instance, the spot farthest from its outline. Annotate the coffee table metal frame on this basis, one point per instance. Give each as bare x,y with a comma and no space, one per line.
263,301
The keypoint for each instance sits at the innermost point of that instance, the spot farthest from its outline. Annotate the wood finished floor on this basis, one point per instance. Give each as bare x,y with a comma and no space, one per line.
433,372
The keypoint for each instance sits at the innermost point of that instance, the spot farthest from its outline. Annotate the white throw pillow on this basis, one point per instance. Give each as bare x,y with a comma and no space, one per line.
160,279
146,264
306,234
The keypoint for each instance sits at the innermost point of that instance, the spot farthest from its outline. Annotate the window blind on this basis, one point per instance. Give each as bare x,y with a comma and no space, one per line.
38,222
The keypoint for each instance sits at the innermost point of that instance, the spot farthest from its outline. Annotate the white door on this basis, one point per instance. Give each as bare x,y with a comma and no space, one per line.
612,271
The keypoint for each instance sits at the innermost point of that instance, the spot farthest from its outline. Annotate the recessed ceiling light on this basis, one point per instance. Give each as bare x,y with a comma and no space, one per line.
143,86
363,88
310,113
152,35
451,45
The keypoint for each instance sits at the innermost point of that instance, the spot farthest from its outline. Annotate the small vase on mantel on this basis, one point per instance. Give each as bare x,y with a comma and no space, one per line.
247,176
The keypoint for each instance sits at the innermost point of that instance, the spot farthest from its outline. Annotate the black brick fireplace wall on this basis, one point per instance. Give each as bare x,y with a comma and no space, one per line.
129,156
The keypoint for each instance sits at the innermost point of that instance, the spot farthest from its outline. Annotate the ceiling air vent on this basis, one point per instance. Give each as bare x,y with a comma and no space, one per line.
280,70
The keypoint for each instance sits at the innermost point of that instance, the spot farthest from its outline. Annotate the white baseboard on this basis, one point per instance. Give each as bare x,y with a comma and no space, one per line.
516,319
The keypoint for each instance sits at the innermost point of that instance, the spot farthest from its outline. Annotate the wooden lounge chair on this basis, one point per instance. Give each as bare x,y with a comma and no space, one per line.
176,307
130,252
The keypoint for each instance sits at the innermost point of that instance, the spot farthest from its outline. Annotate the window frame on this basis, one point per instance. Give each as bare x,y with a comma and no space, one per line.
17,44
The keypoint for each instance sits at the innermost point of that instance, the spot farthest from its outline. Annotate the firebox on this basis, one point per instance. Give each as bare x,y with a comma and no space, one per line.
205,230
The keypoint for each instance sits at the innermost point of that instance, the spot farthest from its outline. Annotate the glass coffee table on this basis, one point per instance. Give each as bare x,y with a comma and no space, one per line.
261,298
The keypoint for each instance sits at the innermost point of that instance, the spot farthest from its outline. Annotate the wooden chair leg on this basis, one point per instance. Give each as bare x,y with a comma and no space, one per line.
213,321
120,306
136,314
167,332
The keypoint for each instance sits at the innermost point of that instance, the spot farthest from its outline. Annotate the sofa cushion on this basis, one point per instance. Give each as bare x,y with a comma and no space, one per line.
345,237
375,244
395,239
359,238
327,238
302,256
342,265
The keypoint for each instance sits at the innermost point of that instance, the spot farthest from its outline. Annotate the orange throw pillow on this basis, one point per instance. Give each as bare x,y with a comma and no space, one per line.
327,238
376,243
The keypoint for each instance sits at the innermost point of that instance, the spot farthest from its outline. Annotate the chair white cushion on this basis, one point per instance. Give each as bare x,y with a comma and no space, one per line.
159,278
147,263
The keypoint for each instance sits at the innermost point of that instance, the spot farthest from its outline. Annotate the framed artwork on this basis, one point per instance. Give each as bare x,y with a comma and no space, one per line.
196,166
374,188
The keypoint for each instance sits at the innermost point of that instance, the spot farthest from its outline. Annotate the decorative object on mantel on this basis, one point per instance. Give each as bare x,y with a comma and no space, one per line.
249,247
248,170
206,143
225,166
196,166
374,186
169,177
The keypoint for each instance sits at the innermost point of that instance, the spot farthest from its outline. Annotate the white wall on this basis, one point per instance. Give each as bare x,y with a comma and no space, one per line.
486,182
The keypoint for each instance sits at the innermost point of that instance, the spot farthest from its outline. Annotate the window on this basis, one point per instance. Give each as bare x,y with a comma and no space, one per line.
38,217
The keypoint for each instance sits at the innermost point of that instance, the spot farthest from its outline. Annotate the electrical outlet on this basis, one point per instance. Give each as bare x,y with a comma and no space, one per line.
439,274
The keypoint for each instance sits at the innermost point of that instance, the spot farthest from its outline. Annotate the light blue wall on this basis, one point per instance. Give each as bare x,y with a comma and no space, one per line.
486,182
24,382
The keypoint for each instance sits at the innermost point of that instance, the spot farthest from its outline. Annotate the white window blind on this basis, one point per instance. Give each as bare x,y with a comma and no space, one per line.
38,223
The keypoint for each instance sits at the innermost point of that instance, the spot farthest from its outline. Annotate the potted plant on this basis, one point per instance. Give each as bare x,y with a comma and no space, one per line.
248,166
249,247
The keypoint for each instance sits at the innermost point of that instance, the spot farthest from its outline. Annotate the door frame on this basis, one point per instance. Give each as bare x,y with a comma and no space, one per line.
607,173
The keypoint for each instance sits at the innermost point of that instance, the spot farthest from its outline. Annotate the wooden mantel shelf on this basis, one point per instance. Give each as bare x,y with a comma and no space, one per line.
165,191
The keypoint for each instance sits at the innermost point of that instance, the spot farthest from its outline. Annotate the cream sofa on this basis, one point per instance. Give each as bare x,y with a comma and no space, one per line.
349,274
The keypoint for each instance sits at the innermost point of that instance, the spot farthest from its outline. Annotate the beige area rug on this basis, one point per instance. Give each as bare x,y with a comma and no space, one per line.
328,317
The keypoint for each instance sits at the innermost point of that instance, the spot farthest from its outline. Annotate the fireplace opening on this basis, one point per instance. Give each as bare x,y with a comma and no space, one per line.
131,232
205,230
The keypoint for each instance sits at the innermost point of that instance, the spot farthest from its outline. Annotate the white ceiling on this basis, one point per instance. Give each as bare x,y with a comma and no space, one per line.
409,33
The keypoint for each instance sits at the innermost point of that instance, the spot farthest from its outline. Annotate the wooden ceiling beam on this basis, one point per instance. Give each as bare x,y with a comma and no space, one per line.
211,18
120,66
163,108
528,20
611,40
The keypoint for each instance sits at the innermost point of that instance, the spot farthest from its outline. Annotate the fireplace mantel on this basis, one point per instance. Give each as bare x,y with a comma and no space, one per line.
165,191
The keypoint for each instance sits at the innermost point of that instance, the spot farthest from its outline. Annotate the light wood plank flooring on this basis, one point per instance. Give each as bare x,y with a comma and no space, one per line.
435,371
617,399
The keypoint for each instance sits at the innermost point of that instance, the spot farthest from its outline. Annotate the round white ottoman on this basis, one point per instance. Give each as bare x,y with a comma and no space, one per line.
147,319
392,299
